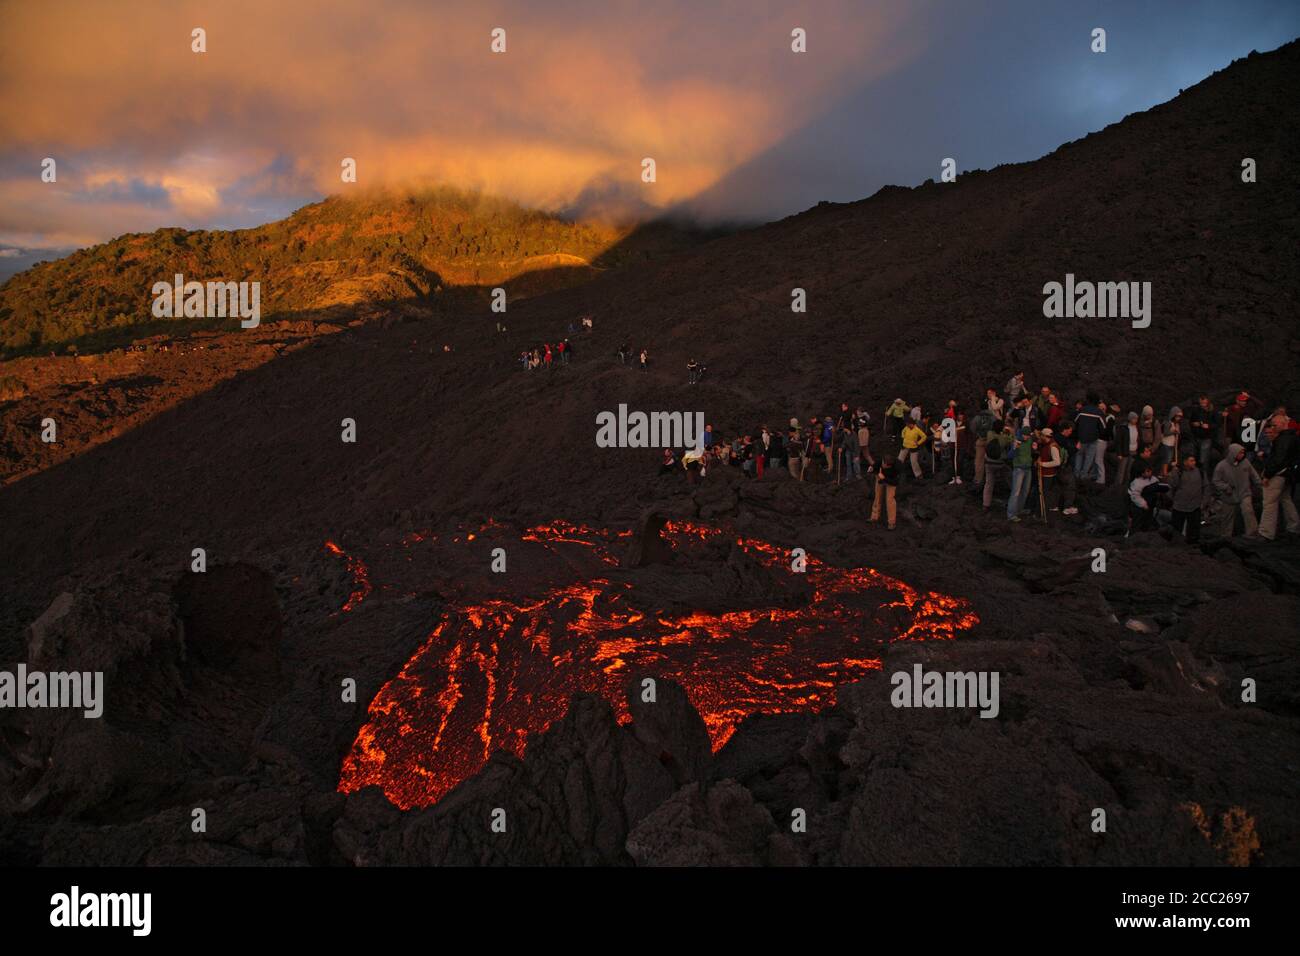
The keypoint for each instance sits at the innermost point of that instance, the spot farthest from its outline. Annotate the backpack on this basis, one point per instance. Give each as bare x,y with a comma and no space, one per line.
1064,452
993,449
983,423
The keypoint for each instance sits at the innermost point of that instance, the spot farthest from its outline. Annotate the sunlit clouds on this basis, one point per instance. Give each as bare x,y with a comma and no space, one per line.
149,133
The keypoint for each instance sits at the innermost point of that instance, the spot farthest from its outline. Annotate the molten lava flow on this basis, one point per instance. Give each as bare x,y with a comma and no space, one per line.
491,674
360,576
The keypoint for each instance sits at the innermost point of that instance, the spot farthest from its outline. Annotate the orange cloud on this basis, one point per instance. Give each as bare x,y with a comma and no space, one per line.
412,91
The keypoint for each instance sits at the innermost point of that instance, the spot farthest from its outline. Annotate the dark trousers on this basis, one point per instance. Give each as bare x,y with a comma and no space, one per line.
1188,523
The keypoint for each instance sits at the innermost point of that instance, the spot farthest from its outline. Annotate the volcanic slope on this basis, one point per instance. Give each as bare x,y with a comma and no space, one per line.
1119,684
929,293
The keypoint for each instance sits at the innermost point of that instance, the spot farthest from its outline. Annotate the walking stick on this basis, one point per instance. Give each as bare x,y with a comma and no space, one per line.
1042,502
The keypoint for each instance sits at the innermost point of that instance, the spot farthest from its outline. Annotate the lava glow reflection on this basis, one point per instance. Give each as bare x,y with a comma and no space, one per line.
491,674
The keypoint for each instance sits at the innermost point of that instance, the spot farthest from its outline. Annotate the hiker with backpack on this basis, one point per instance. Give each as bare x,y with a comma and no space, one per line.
895,415
862,423
1067,450
997,445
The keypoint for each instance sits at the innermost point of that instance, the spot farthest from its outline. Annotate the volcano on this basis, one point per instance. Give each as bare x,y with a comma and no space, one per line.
366,565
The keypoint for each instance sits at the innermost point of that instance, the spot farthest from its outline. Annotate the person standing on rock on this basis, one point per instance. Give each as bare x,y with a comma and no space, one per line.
828,443
1203,423
1280,470
1043,405
982,427
1127,445
862,422
1189,488
1015,388
850,463
643,359
692,370
1022,471
1233,417
1068,449
962,447
913,440
762,447
894,417
1170,441
1049,463
1108,413
794,454
1149,431
1022,414
997,445
886,492
1088,425
1236,485
994,403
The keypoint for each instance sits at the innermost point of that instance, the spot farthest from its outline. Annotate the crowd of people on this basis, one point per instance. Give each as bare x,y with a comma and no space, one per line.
640,358
1232,469
547,355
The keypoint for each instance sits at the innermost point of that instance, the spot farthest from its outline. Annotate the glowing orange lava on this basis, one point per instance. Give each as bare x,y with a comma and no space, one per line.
491,674
360,576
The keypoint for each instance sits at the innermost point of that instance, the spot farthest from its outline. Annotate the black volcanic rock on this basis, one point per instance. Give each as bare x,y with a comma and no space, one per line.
224,693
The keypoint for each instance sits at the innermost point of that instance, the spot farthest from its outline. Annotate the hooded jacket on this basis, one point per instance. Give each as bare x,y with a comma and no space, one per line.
1234,480
1172,435
1149,430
